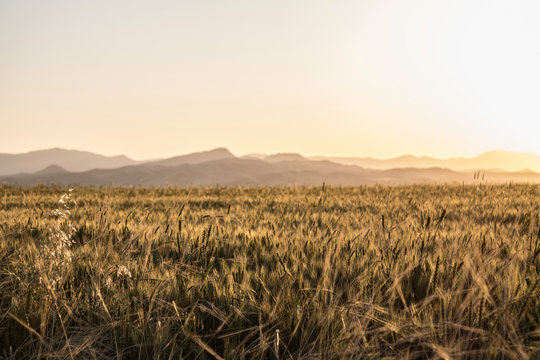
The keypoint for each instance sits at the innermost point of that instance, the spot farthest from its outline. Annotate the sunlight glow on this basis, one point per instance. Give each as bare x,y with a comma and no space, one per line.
357,78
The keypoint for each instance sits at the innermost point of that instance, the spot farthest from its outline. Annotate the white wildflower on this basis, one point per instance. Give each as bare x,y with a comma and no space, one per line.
123,272
276,343
56,249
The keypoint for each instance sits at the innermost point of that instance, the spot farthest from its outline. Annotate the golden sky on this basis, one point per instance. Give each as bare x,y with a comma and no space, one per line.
355,78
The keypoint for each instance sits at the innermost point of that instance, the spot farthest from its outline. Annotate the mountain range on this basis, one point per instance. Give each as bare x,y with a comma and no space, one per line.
491,160
220,167
70,160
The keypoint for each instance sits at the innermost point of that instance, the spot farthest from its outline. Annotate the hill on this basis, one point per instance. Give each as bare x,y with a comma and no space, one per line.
196,158
284,157
253,172
498,160
70,160
220,167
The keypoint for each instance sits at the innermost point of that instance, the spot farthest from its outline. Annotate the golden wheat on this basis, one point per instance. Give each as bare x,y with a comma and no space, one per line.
287,273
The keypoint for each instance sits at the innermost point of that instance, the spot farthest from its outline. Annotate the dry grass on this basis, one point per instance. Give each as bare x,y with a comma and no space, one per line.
272,273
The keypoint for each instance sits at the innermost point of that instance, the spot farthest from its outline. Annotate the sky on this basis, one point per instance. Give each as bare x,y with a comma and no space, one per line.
376,78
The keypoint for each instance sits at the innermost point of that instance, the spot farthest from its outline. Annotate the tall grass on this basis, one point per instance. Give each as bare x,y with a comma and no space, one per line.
272,273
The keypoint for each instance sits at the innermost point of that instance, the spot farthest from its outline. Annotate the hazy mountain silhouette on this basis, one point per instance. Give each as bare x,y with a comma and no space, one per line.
197,157
71,160
503,160
221,167
255,172
52,169
284,157
254,156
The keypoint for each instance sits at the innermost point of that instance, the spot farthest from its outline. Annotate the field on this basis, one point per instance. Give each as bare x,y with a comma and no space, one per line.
270,273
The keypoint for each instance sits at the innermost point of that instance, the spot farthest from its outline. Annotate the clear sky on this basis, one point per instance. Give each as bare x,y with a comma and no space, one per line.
355,78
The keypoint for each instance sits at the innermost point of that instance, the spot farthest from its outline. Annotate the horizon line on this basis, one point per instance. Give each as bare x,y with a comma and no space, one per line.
277,153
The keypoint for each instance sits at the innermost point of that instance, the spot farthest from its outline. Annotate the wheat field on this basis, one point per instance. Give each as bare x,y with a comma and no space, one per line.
405,272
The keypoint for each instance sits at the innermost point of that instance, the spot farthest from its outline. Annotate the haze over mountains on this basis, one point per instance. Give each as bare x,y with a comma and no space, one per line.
491,160
71,160
221,167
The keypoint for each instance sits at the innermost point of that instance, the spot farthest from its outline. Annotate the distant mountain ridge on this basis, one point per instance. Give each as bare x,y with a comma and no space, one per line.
70,160
195,158
491,160
220,167
284,157
52,169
